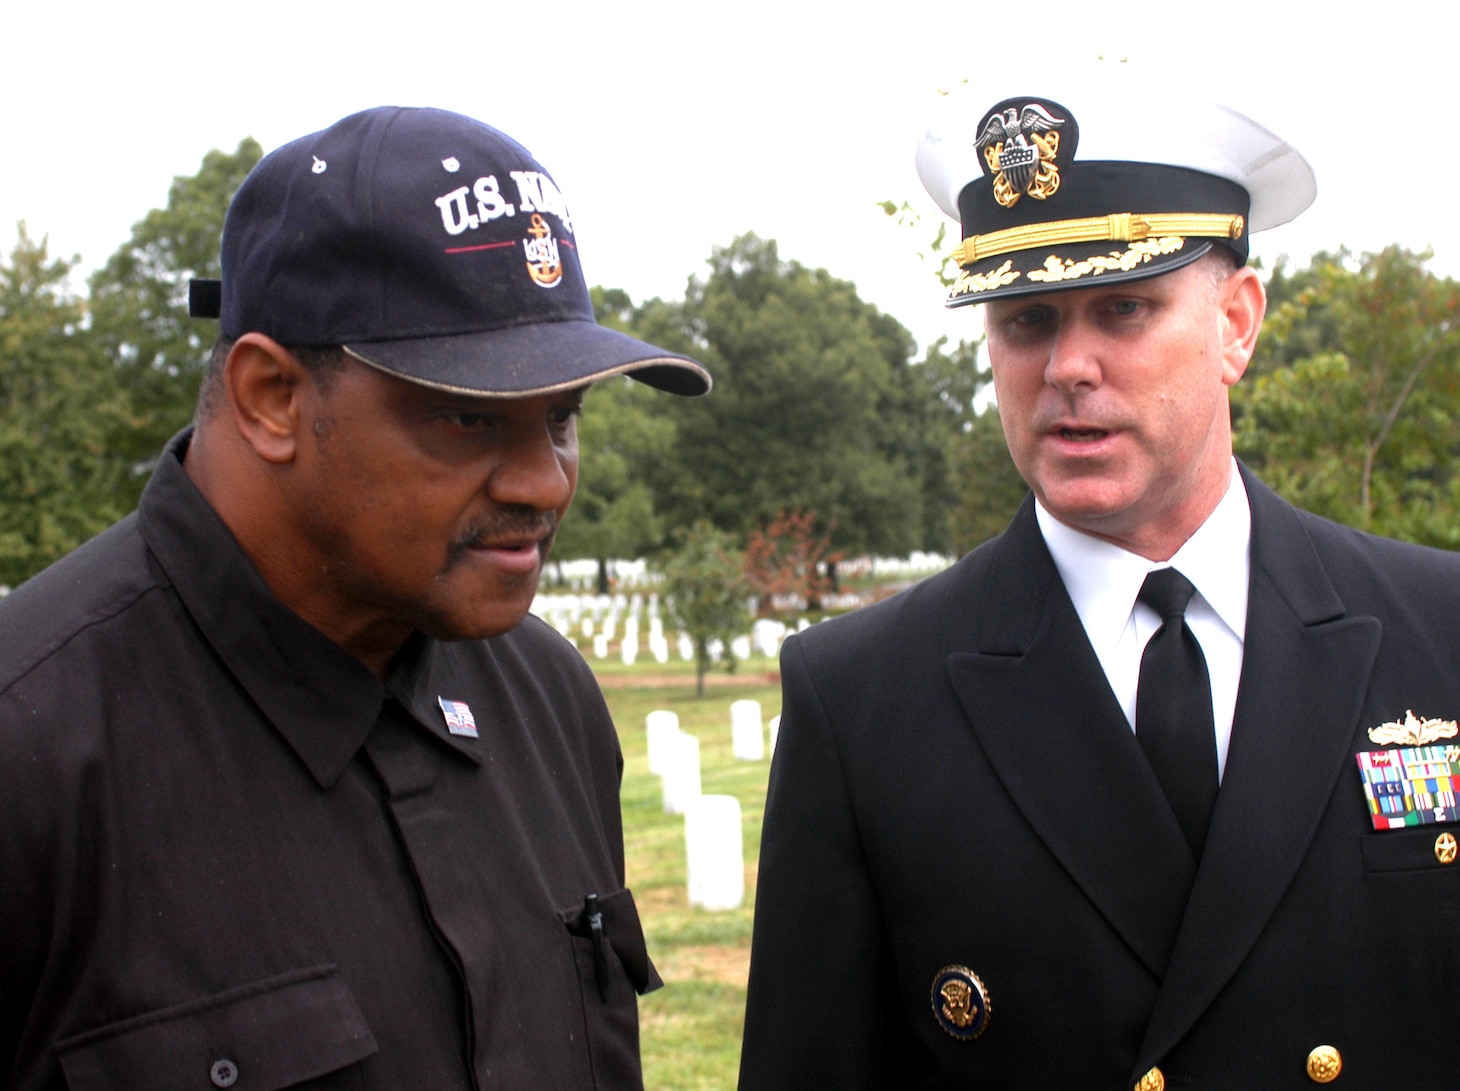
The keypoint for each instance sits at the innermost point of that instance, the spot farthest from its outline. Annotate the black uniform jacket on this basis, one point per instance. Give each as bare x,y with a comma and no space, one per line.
955,785
231,856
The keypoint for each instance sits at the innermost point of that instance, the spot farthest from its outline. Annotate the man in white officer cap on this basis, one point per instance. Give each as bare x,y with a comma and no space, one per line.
1100,806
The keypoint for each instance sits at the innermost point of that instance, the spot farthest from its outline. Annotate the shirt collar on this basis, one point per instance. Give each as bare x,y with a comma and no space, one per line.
1103,579
319,697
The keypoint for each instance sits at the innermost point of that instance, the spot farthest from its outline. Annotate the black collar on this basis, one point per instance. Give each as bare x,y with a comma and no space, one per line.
319,697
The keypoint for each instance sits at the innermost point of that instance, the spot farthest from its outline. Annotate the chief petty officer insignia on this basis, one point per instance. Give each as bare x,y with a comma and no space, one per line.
961,1003
1021,146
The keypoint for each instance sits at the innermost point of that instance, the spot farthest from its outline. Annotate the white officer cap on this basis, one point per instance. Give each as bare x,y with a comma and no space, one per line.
1099,173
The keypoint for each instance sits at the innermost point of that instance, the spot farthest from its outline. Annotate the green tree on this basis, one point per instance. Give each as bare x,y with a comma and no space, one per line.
613,514
139,301
990,489
986,488
622,432
61,481
810,410
706,589
1352,407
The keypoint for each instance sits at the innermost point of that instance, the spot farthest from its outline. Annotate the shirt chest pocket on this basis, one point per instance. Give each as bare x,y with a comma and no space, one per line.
272,1034
1434,849
612,964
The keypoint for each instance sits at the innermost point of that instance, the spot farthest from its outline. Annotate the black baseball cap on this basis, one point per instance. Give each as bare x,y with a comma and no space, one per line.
430,246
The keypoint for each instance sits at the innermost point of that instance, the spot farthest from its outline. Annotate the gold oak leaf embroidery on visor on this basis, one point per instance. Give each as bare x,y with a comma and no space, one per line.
969,283
1056,270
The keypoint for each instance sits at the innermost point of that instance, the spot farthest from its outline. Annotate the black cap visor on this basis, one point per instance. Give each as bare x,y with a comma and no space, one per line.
532,359
1079,265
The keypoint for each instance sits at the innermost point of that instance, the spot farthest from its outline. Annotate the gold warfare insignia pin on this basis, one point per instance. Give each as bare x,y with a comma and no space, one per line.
1020,142
1413,731
961,1003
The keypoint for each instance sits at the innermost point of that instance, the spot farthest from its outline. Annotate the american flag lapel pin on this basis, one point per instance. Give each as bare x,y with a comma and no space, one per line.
459,720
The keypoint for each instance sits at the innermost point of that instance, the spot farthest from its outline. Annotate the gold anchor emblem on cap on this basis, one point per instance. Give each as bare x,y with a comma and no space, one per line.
543,262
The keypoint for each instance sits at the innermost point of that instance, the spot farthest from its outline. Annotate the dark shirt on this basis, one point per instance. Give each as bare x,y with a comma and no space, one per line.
230,853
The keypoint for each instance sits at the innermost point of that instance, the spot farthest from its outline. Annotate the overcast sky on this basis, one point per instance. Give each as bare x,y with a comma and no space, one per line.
673,127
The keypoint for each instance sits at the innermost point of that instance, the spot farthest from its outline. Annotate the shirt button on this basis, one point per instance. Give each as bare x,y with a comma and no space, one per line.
224,1073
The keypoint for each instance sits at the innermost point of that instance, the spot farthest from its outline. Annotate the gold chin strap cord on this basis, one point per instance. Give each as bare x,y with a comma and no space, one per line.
1117,227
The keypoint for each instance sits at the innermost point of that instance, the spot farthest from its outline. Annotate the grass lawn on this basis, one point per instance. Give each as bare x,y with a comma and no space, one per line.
690,1029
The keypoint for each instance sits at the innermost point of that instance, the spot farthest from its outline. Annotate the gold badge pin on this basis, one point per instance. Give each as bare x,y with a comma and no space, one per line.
961,1003
1154,1080
1446,848
1413,731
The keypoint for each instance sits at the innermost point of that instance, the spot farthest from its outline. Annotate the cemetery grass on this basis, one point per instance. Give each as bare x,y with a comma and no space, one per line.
690,1029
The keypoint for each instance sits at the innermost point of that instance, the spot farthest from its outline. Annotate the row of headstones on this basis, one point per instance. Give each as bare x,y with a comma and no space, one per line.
597,618
713,842
581,575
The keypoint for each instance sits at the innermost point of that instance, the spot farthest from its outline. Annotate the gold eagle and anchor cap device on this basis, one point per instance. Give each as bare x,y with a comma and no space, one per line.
1099,175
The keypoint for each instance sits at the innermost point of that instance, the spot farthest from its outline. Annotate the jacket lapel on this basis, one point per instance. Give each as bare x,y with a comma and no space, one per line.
1060,745
1305,669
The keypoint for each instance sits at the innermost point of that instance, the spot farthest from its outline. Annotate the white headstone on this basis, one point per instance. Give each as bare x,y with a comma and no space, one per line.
686,647
600,646
662,725
659,647
630,648
681,776
740,648
714,852
747,739
766,634
775,726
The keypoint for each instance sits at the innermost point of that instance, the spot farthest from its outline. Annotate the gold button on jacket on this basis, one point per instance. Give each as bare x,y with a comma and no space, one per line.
1324,1064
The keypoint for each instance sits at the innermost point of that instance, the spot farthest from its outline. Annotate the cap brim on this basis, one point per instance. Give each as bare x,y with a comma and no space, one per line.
1081,265
539,358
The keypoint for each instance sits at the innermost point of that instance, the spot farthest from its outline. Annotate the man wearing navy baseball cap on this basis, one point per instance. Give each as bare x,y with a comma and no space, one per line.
1153,790
292,788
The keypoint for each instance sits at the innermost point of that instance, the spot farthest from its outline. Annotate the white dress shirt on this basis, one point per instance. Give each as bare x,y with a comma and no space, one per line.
1103,581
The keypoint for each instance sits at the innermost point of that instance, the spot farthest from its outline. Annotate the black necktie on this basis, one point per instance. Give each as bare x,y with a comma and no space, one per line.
1174,708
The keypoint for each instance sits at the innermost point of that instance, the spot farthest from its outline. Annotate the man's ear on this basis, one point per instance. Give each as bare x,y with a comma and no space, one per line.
263,382
1242,303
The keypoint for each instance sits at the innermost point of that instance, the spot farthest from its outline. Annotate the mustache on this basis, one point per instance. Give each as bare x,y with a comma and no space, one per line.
513,523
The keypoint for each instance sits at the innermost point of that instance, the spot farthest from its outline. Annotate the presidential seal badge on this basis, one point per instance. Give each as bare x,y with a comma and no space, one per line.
961,1003
1020,142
